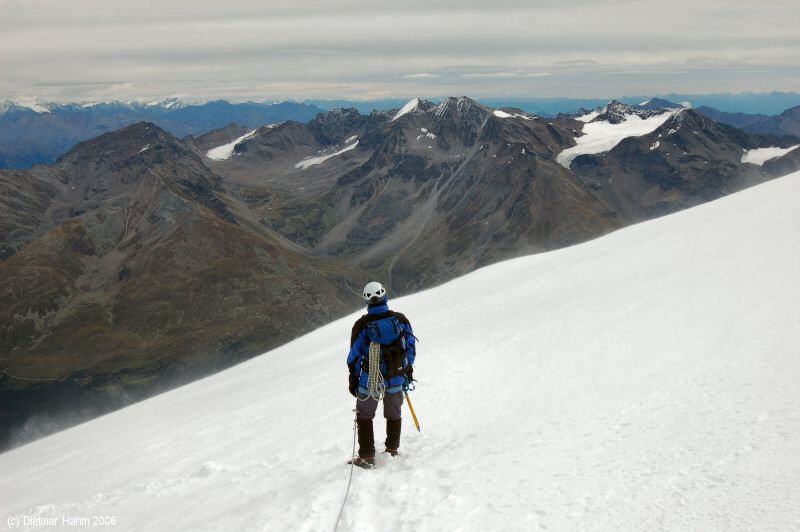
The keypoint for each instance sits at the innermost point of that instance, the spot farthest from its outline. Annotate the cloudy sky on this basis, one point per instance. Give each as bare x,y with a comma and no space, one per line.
88,50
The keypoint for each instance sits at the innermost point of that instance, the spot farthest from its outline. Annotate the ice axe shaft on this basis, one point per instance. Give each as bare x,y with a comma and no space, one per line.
411,407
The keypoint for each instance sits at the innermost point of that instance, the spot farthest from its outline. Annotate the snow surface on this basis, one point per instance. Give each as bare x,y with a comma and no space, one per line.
426,133
502,114
599,137
167,103
29,103
311,161
761,155
407,108
588,117
224,152
34,106
646,380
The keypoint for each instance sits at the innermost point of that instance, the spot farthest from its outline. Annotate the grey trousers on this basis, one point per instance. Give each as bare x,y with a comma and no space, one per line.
392,406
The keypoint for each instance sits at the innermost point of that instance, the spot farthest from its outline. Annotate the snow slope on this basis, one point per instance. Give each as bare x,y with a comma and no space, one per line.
761,155
646,380
588,117
311,161
407,108
224,152
599,137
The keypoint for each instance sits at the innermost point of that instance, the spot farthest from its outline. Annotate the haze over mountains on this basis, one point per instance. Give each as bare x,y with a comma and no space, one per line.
37,133
139,260
786,123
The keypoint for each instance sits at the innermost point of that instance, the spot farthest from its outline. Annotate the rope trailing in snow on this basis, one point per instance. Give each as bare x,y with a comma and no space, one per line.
350,480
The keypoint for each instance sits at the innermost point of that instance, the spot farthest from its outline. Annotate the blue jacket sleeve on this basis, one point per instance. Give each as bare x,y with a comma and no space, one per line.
357,351
411,345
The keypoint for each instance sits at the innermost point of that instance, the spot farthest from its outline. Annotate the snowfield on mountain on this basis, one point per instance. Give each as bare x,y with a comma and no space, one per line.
224,152
645,380
761,155
601,136
311,161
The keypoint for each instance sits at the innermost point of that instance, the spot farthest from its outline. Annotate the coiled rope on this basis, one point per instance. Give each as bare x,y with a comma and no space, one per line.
375,385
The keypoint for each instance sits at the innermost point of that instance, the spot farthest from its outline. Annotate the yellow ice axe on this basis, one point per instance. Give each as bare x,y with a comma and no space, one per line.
411,407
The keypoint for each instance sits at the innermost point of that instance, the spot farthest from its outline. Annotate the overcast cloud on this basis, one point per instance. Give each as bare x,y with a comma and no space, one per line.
71,50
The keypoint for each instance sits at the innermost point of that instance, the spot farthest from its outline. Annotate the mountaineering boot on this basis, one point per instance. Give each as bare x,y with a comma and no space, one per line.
366,440
393,435
364,463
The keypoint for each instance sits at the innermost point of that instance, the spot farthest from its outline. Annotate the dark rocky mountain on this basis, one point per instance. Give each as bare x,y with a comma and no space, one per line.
445,188
785,124
658,103
421,198
763,103
127,269
784,164
615,112
203,143
687,160
29,137
136,261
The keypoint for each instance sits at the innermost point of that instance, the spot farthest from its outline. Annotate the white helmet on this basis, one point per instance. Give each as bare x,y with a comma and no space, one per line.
374,292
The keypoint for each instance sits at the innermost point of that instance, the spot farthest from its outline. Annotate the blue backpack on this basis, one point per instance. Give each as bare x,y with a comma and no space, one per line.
388,333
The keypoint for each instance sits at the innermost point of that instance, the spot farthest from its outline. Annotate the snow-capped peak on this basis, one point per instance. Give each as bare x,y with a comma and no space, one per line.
25,103
166,103
658,103
35,106
459,105
407,108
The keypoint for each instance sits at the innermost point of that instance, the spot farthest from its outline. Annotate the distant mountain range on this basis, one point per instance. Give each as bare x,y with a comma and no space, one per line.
752,103
786,123
38,133
32,132
139,260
